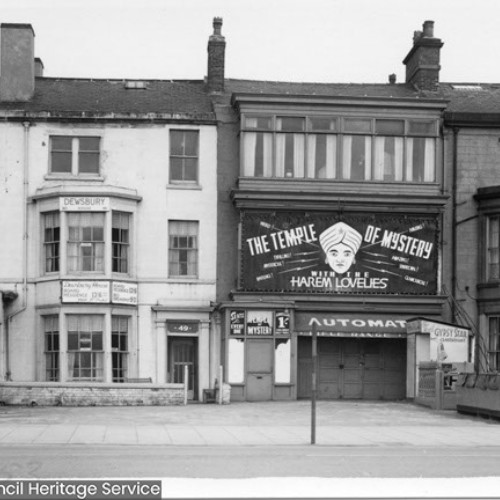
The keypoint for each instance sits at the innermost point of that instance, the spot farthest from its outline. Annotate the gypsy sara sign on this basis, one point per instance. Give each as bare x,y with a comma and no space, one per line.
369,254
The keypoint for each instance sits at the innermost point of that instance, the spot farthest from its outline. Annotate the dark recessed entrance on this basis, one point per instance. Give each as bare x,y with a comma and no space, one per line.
354,368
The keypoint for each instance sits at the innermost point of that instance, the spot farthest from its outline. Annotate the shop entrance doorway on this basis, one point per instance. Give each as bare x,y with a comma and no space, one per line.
259,375
354,368
183,352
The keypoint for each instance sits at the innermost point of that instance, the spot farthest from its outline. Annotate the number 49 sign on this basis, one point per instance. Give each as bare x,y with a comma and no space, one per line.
282,323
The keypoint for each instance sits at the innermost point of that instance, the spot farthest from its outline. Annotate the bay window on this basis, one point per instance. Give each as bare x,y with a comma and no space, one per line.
85,248
339,148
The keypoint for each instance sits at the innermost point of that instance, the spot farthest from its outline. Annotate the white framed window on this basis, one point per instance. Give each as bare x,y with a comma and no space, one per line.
85,246
119,347
85,347
493,248
494,343
74,155
184,155
120,241
339,148
183,248
51,348
51,241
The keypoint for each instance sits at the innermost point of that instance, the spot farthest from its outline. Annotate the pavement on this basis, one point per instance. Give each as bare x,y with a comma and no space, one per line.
338,423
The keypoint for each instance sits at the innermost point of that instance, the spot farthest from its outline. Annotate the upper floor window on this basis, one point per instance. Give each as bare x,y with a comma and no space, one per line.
74,155
183,248
85,248
51,239
494,343
339,148
184,153
120,239
493,248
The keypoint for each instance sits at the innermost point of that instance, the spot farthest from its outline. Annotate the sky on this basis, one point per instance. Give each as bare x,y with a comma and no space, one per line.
359,41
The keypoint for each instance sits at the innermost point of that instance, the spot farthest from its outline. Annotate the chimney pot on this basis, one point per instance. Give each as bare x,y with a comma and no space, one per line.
392,78
428,27
38,67
217,26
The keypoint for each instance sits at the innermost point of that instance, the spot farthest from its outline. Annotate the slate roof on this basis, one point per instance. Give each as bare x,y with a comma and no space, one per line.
189,99
185,99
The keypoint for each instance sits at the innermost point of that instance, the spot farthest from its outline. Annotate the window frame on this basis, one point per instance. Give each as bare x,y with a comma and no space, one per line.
51,247
493,342
52,346
174,249
77,154
184,158
489,248
336,167
120,353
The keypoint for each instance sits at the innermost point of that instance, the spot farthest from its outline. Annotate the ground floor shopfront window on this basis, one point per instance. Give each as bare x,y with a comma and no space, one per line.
259,350
76,347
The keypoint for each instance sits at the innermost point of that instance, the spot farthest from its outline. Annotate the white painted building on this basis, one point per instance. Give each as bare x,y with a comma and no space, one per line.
108,199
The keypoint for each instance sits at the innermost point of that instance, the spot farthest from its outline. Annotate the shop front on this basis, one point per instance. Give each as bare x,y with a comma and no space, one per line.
354,278
359,357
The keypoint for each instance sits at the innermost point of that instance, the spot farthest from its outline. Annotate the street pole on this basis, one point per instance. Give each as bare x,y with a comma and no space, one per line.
313,384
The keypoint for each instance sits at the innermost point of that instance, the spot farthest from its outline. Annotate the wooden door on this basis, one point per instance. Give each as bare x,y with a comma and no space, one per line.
259,362
183,352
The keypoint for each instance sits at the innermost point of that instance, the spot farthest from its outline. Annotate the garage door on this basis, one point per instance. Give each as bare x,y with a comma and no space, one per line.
353,368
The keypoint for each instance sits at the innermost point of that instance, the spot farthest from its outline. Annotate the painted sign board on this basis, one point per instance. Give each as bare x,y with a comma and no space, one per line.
351,325
98,292
237,322
124,293
86,291
184,327
314,252
84,204
447,343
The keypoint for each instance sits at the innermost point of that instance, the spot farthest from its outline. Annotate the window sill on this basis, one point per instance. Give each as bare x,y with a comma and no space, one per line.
185,186
78,178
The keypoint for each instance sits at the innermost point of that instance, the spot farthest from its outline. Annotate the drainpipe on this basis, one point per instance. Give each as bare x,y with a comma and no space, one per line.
454,223
24,302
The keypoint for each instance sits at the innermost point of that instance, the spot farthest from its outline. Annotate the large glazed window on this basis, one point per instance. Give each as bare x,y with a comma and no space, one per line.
339,148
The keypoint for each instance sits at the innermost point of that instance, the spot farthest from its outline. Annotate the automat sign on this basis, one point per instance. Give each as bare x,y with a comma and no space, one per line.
371,254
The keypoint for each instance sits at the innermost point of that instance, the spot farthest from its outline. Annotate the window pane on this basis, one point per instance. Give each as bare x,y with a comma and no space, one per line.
236,361
390,127
88,163
290,155
257,154
61,162
89,144
321,156
388,165
357,125
85,249
422,127
260,122
356,161
290,124
420,160
326,124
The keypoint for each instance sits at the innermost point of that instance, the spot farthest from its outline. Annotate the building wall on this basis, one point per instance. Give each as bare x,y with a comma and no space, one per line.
135,176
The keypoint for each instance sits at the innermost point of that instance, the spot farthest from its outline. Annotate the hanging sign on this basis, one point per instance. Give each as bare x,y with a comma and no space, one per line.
372,253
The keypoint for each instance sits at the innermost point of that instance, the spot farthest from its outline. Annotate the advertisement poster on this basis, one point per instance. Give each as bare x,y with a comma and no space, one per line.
237,322
372,253
260,323
282,323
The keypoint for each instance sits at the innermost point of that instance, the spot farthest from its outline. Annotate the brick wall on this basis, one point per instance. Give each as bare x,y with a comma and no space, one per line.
56,394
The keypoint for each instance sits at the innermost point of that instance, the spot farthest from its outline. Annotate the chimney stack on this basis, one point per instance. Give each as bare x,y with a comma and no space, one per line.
216,52
17,62
422,62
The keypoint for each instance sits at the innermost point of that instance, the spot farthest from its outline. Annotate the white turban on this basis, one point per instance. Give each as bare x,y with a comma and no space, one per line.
340,233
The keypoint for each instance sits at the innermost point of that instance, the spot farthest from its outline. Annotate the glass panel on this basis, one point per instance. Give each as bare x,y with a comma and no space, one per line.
282,361
258,122
390,127
420,160
493,248
326,124
356,161
422,128
61,162
388,165
257,154
88,163
290,124
89,144
236,361
357,125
